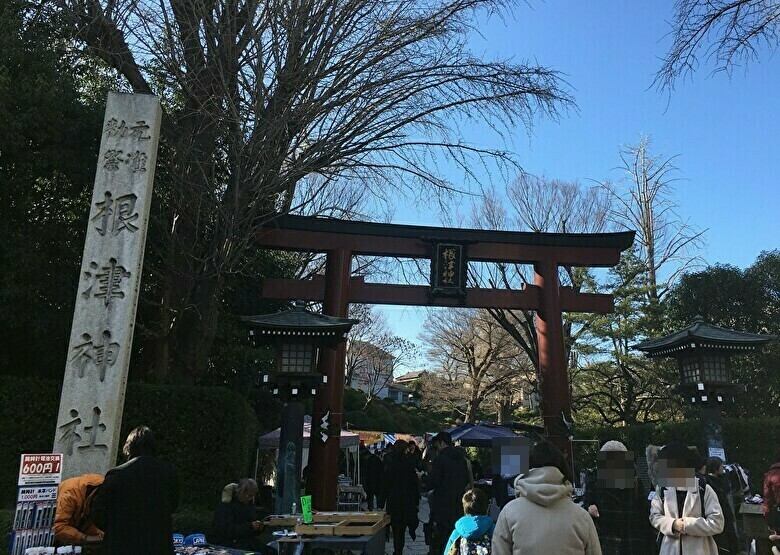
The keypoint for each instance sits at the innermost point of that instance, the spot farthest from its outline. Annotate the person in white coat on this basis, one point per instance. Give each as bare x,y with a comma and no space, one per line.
676,510
544,520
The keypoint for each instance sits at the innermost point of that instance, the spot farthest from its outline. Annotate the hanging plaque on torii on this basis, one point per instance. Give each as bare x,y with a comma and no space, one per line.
449,251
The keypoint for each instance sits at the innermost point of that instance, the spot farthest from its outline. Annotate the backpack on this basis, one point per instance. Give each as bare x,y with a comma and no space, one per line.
480,546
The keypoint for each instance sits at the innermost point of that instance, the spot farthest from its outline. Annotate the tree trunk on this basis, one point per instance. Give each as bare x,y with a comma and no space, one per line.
196,328
504,414
471,407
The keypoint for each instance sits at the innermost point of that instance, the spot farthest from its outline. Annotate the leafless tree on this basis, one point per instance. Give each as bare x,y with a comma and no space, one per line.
728,32
644,201
374,353
261,95
541,205
371,329
474,356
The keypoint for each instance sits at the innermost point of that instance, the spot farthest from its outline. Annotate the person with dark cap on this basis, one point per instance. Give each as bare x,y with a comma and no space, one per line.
133,506
727,540
448,481
684,510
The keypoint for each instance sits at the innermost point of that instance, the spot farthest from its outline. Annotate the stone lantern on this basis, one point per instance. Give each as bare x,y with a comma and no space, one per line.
298,336
703,354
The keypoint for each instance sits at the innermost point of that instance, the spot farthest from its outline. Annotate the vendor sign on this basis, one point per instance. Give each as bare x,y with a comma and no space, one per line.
40,469
36,501
306,509
418,440
368,438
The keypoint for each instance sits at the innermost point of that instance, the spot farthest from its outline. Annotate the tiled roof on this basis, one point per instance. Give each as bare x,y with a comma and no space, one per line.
705,335
298,324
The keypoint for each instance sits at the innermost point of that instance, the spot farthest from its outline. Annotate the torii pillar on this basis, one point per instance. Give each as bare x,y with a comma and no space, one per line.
324,456
553,373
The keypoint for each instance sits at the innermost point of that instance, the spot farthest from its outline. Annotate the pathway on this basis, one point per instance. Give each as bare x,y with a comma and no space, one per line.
416,547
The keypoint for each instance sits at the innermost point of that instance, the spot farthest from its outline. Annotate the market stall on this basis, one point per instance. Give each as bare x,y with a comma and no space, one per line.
349,443
362,532
479,435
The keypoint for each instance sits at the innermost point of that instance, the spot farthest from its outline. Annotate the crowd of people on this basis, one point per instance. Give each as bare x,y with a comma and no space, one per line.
690,510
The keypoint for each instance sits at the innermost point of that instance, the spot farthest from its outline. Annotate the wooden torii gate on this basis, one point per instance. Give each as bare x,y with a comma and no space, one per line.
450,250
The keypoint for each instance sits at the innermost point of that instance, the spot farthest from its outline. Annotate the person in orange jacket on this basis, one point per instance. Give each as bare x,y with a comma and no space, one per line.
72,524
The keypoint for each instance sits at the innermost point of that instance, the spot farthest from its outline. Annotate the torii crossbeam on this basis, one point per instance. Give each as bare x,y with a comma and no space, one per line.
450,250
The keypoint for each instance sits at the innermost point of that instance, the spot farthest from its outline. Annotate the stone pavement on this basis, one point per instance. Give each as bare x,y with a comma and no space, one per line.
416,547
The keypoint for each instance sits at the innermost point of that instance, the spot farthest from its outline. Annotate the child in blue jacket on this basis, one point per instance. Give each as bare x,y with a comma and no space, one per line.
474,531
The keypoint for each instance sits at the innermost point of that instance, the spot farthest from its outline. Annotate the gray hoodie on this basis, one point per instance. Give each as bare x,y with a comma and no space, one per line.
544,520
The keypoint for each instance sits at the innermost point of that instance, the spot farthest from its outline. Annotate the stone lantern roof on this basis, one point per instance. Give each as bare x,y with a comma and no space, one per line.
702,335
300,324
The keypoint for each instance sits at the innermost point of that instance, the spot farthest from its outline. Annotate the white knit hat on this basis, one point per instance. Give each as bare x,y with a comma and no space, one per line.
613,445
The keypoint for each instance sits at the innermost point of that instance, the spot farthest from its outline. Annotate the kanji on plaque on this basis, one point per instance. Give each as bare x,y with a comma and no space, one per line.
69,435
448,270
98,356
101,354
137,161
118,128
116,214
95,428
113,158
105,282
89,438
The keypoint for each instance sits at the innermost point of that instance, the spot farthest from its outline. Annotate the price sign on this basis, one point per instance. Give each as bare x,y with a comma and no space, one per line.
40,469
36,502
37,493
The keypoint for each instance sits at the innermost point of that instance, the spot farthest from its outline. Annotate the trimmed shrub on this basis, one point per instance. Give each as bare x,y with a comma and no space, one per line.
193,520
207,434
6,522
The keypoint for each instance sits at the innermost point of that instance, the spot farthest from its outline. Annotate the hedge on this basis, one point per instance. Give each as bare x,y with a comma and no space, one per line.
208,434
750,442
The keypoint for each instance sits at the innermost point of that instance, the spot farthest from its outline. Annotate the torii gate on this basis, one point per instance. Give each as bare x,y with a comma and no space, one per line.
449,251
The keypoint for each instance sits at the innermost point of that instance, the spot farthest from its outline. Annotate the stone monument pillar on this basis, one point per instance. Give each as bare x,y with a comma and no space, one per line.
93,388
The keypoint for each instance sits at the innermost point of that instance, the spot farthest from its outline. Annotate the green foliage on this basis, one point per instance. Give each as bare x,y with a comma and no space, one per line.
386,416
620,385
749,442
47,161
6,523
483,455
744,300
191,519
208,434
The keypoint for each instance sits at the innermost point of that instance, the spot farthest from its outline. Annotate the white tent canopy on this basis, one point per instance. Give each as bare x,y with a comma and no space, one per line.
349,441
271,439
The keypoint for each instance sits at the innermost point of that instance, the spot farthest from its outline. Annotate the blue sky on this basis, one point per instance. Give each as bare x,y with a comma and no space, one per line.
722,127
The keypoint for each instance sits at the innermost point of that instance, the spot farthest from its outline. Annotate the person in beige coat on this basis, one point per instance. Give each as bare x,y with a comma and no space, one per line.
544,520
685,530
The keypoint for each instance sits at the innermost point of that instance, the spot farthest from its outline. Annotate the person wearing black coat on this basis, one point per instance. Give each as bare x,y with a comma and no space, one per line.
449,478
371,470
403,494
235,522
727,541
133,506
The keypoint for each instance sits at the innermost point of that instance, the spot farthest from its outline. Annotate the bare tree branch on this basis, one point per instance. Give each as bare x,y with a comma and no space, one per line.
728,33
